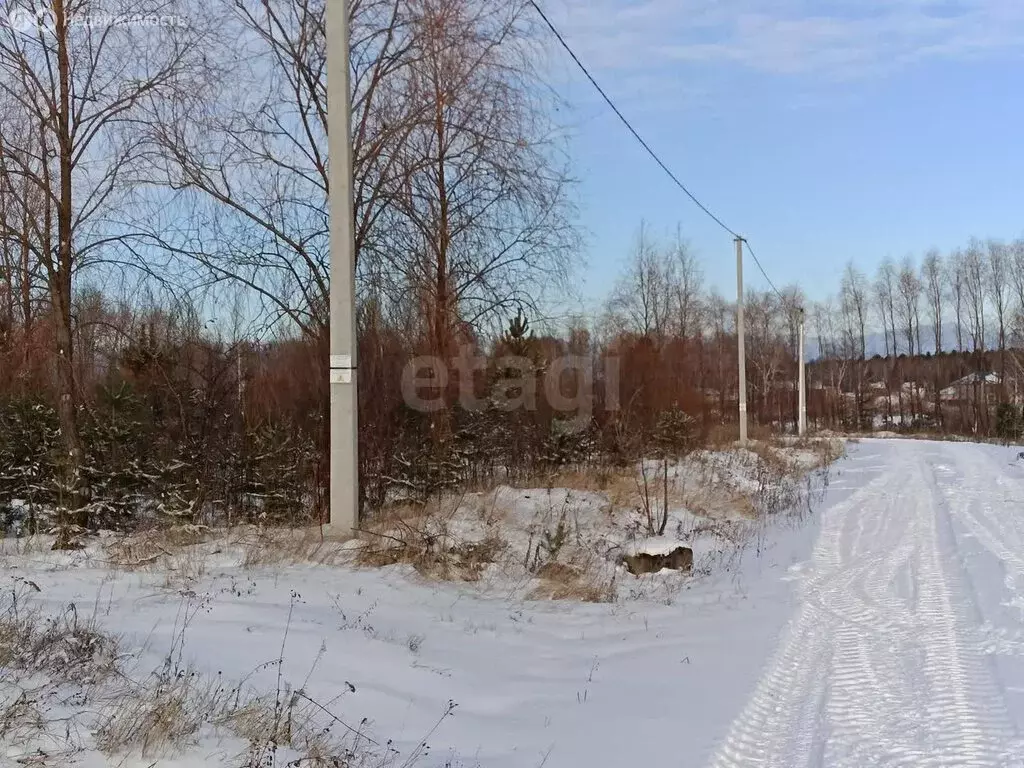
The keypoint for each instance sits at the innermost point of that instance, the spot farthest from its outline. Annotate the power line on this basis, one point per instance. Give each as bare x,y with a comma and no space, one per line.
626,122
647,147
761,268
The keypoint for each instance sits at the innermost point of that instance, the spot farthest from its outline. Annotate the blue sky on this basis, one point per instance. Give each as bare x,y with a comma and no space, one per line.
823,130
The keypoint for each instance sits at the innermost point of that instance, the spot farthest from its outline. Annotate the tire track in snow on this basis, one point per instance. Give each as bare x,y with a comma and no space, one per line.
1000,534
776,728
869,719
970,725
878,667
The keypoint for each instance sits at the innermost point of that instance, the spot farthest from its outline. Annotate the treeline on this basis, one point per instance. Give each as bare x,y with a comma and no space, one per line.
179,422
929,346
164,258
164,272
157,176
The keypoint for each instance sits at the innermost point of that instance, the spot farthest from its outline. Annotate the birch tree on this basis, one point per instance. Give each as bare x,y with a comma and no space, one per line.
933,277
975,290
72,96
910,297
957,272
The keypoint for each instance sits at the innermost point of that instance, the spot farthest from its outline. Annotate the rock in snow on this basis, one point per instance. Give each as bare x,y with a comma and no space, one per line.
679,559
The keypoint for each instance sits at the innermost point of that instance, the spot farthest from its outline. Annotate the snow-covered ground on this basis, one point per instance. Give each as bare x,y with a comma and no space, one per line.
907,643
886,629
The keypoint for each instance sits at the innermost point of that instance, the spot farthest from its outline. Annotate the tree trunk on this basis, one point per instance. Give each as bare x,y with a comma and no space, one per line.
67,410
60,295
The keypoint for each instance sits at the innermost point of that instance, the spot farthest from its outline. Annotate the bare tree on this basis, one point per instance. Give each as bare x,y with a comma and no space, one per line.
791,305
854,304
933,276
909,310
975,284
910,314
642,301
688,283
997,283
720,318
1016,260
957,270
765,352
484,198
853,292
72,95
833,352
885,288
885,293
244,153
21,288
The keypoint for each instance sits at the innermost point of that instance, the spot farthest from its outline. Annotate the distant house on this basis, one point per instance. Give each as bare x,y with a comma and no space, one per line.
971,385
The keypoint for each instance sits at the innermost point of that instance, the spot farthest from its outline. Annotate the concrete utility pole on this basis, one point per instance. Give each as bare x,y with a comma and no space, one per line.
741,341
802,428
344,513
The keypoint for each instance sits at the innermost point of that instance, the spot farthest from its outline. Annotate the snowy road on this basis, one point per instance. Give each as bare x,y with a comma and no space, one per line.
907,641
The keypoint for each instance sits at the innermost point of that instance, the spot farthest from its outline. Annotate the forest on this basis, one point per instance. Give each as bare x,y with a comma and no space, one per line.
164,280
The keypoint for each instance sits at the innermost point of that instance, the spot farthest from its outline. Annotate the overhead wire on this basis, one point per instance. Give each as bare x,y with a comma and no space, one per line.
647,147
757,261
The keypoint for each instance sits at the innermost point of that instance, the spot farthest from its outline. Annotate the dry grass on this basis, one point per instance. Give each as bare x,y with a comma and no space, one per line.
140,549
165,714
182,553
725,530
24,546
773,458
176,551
617,483
22,717
725,436
63,691
427,537
265,728
434,555
66,646
562,545
40,657
557,553
719,501
622,486
558,581
314,545
161,714
828,449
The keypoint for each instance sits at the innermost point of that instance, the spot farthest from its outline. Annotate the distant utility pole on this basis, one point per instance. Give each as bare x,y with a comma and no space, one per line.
741,341
802,427
344,511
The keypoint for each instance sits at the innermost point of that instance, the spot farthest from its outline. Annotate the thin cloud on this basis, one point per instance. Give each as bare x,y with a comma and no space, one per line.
820,38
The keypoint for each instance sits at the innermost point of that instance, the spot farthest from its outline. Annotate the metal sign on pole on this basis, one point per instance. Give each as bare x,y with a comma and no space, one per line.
344,510
741,341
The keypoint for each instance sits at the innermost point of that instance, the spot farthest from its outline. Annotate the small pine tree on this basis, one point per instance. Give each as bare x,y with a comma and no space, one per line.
29,445
674,433
515,338
1009,421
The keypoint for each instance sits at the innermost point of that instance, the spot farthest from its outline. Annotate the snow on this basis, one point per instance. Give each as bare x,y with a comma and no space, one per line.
585,684
656,545
904,647
885,629
569,683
